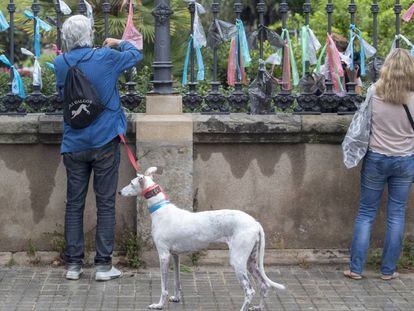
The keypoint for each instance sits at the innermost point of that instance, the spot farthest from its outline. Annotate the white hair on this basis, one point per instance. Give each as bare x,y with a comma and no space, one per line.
77,32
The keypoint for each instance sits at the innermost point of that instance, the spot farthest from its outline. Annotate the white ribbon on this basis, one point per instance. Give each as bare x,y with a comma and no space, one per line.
64,8
37,70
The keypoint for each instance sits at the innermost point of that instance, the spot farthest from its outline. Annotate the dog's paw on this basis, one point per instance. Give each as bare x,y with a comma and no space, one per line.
155,306
174,299
256,308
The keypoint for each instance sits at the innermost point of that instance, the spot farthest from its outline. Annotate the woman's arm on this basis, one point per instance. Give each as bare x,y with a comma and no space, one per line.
124,59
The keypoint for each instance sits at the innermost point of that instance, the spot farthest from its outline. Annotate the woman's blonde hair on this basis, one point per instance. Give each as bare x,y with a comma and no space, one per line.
397,77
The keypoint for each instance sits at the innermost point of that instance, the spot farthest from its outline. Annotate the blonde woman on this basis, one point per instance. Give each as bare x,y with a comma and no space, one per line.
383,136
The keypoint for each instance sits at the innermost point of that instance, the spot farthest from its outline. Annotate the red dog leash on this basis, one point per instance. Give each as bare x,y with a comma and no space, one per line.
129,152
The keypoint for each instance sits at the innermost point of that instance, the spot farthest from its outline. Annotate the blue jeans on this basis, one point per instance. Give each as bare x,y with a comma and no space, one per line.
104,162
377,170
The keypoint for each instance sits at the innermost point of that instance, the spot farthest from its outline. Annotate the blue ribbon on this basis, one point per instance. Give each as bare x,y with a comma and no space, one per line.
362,55
362,49
156,207
4,25
17,83
244,47
199,57
51,66
39,24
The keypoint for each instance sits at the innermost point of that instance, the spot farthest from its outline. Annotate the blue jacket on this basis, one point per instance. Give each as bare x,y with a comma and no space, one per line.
103,70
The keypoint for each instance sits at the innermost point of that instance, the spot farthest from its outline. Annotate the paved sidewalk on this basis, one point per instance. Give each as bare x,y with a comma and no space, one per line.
315,288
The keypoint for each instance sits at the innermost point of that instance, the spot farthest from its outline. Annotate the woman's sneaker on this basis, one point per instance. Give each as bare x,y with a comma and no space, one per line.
103,274
73,272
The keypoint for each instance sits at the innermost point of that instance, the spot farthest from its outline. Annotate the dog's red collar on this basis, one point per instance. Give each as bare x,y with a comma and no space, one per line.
151,191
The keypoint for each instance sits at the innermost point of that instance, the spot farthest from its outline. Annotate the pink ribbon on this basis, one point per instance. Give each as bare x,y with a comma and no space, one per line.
56,50
409,14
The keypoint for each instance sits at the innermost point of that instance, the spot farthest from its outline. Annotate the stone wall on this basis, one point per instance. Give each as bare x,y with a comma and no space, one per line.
285,170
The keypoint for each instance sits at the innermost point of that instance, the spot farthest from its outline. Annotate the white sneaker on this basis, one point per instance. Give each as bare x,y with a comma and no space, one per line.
110,274
73,272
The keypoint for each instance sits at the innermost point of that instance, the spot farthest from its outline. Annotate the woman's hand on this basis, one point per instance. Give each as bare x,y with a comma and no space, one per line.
111,42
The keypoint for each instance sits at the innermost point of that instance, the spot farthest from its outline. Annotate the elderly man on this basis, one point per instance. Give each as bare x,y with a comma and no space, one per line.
95,147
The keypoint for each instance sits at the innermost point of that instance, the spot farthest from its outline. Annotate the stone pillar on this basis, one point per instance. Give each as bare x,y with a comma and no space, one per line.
165,140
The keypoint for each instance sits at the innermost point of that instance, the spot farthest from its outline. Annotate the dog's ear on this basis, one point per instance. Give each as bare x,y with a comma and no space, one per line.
150,171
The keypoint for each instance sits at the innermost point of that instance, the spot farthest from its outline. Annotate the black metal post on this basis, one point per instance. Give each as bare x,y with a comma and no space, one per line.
329,10
82,7
106,9
261,9
162,57
36,100
131,99
375,11
307,102
238,99
352,9
192,100
347,105
215,101
329,101
58,25
397,11
284,99
11,103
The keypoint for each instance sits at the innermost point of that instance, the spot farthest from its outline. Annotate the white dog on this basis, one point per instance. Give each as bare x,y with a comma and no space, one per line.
177,231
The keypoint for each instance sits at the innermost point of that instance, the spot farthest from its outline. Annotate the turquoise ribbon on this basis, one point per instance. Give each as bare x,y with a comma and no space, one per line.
304,36
17,83
39,24
199,57
156,207
244,47
50,66
4,25
358,34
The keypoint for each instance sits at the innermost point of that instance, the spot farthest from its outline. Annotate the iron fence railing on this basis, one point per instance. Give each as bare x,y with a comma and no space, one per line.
214,101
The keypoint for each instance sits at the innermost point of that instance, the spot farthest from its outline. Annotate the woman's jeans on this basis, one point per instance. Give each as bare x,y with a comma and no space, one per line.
104,162
377,170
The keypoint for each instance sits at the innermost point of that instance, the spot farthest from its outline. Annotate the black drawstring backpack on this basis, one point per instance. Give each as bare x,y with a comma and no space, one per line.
82,104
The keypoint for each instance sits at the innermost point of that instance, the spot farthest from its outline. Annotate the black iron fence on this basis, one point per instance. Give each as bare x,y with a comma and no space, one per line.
215,101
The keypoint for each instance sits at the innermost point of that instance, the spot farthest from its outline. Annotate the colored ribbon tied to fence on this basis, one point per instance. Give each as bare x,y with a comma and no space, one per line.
17,83
310,47
333,65
4,25
131,34
199,57
408,14
366,50
290,68
239,56
196,41
64,8
39,24
406,40
37,70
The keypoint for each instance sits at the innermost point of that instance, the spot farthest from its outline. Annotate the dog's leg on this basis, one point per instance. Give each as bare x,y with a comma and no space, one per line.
164,261
240,250
177,281
254,270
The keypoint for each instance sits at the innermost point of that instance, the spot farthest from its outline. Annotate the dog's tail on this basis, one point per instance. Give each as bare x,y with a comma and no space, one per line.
261,261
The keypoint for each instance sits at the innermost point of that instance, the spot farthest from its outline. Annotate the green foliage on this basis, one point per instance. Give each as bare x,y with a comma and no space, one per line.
406,260
185,269
11,262
407,257
132,246
195,258
31,249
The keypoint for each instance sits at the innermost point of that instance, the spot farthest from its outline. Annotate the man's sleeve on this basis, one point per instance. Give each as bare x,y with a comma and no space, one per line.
127,57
